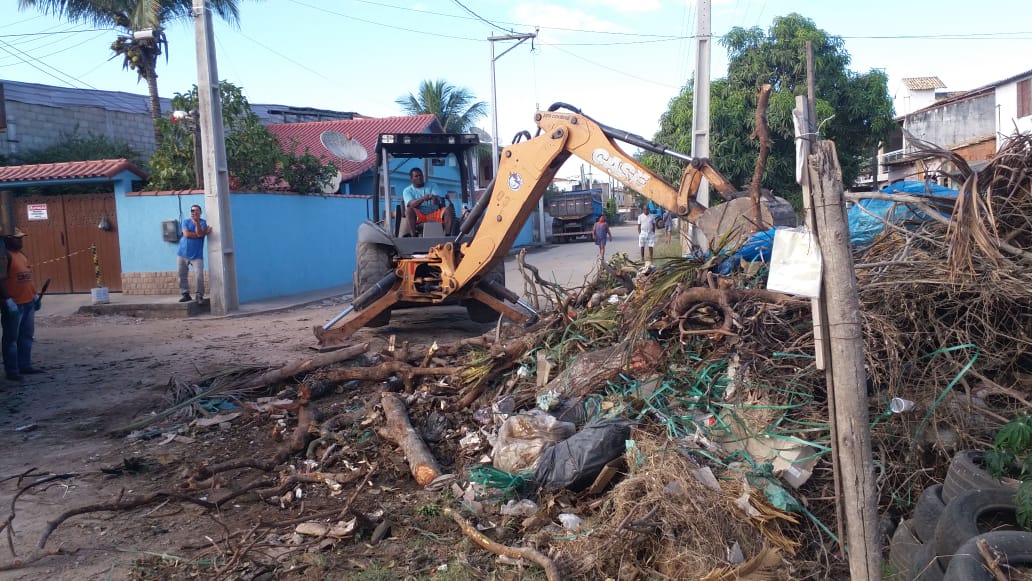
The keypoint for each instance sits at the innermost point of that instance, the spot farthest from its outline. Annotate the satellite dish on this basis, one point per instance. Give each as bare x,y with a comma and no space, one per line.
343,146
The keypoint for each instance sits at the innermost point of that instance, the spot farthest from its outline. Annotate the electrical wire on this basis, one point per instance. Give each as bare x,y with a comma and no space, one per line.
373,22
482,19
611,69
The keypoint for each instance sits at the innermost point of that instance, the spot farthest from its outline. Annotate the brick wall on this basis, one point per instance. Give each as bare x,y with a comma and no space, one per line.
40,126
157,283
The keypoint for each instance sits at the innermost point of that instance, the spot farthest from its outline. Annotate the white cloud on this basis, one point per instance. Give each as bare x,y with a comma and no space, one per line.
556,16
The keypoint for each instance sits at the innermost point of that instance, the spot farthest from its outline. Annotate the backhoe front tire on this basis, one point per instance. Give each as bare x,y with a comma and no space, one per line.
372,263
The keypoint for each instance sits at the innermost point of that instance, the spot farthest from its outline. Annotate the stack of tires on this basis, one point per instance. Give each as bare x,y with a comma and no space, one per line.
940,540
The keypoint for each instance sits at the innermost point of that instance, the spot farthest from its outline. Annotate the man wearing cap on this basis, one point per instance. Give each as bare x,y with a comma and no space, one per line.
18,314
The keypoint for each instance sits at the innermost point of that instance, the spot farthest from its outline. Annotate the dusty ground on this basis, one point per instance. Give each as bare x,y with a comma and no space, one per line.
101,373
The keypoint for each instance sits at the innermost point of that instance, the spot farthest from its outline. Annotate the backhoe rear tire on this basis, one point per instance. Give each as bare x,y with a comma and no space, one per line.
479,312
372,263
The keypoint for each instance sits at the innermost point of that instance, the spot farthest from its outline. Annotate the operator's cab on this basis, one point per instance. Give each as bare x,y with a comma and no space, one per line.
446,161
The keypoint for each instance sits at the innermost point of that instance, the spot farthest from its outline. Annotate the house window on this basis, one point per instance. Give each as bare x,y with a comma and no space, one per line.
1025,98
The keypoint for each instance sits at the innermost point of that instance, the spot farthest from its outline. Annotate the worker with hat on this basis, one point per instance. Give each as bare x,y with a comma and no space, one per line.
18,312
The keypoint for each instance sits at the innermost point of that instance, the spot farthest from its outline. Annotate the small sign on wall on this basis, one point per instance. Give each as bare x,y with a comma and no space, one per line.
37,211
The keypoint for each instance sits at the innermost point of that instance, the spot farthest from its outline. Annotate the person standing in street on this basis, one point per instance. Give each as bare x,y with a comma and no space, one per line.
646,232
601,234
191,254
668,224
19,310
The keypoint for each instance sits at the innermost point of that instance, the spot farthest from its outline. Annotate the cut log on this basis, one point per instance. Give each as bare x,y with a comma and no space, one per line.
399,430
591,370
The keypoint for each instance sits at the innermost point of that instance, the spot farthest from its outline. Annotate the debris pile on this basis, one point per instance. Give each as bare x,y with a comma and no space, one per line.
670,423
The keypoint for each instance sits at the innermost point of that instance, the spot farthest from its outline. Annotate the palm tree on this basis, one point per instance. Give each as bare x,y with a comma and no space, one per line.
456,108
139,52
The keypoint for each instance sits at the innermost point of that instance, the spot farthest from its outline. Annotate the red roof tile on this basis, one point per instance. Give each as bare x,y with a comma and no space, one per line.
365,131
106,168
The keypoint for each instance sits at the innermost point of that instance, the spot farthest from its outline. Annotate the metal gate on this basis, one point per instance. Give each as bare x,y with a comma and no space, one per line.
61,233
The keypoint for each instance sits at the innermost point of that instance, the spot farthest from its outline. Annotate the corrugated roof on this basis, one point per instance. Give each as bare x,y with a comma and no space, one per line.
923,83
104,168
53,96
365,131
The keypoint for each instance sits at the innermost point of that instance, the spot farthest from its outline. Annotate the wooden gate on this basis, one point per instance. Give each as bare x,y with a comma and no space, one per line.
61,231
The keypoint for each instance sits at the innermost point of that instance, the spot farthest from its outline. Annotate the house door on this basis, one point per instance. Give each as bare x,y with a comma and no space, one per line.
61,231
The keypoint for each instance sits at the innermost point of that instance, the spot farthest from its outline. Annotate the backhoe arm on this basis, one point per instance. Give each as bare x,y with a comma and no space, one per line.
526,169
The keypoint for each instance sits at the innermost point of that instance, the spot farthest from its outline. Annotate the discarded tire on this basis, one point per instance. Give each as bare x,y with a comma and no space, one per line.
968,564
901,551
927,512
926,565
966,474
971,514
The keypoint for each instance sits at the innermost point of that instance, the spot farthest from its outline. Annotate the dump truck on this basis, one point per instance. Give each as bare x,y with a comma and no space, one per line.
468,267
574,213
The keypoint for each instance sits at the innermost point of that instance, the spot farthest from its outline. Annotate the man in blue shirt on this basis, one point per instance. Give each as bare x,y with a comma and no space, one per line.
424,204
191,253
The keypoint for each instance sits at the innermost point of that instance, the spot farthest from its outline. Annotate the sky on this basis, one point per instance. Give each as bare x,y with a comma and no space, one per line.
620,61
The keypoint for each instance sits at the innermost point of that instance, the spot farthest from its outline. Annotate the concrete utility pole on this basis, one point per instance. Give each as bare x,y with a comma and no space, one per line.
520,39
700,113
701,95
221,255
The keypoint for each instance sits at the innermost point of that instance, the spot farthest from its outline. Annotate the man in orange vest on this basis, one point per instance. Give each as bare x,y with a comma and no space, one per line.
18,314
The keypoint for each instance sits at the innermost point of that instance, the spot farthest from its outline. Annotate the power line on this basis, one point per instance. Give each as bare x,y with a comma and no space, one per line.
609,68
373,22
57,32
482,19
65,49
284,57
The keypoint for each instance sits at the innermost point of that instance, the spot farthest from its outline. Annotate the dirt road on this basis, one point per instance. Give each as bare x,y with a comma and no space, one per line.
102,372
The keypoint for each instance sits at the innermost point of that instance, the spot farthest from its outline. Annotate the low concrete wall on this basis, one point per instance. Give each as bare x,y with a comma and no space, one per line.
285,243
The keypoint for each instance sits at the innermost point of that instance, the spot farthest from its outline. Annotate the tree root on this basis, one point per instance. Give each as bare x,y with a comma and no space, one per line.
119,505
533,555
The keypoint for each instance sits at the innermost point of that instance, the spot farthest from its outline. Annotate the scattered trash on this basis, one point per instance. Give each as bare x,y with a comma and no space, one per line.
523,437
575,462
216,420
339,530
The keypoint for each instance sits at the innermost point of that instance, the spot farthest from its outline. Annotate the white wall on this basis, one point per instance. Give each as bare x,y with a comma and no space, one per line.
1007,112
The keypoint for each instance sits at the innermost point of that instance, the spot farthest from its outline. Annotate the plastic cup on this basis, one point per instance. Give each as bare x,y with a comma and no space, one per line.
899,405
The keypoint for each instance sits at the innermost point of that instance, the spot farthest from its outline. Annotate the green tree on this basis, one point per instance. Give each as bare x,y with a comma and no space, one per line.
455,108
853,109
253,155
138,54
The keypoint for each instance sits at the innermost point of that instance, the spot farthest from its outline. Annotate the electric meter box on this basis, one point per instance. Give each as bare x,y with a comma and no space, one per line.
170,231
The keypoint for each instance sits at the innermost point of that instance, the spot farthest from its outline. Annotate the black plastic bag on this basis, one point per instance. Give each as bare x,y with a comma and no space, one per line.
575,462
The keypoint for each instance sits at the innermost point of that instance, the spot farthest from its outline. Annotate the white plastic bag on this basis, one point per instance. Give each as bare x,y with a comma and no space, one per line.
523,437
795,263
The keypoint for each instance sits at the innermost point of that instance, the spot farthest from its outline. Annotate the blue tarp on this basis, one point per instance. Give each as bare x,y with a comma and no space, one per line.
863,227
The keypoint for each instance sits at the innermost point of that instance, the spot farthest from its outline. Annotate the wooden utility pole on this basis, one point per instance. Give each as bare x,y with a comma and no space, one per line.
848,398
6,212
221,255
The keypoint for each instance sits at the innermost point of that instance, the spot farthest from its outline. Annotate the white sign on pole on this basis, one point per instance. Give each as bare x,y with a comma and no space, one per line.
37,211
795,263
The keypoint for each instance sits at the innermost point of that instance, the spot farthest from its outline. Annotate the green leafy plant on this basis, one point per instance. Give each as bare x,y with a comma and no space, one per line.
253,155
1011,455
429,510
